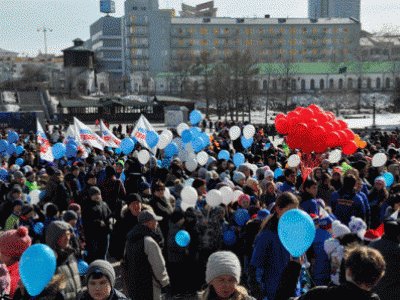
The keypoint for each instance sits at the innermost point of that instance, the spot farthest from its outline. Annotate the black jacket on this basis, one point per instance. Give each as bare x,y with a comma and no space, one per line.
92,216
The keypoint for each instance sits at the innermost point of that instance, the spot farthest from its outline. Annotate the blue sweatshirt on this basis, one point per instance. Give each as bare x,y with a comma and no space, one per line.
343,207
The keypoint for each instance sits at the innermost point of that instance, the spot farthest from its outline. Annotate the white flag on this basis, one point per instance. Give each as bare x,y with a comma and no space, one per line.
86,135
72,135
109,137
45,148
140,131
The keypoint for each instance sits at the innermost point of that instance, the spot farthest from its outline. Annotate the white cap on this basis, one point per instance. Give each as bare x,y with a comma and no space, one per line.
223,263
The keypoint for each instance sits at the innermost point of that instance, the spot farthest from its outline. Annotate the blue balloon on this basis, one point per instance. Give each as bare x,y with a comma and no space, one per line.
3,146
182,238
266,147
195,117
123,177
58,150
12,137
72,142
205,138
38,228
238,159
158,162
242,216
19,150
118,151
42,194
195,132
224,154
246,143
82,267
127,145
152,139
229,238
11,149
388,178
296,231
186,136
171,150
278,172
36,268
165,163
3,174
197,144
71,151
19,161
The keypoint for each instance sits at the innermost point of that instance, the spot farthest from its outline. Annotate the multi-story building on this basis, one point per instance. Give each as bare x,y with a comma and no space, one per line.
334,9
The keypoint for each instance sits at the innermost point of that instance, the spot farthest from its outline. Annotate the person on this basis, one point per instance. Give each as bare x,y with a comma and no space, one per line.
13,220
223,278
290,181
161,206
54,290
270,267
56,192
100,279
143,264
377,200
113,191
308,203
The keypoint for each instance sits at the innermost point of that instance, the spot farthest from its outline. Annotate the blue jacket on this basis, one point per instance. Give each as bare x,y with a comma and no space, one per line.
321,264
343,207
285,187
309,205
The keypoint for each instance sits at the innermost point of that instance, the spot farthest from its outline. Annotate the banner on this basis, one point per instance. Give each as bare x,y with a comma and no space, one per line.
109,137
87,136
45,148
140,131
71,135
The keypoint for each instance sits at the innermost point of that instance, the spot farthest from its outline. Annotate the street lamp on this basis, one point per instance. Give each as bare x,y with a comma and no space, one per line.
44,30
373,111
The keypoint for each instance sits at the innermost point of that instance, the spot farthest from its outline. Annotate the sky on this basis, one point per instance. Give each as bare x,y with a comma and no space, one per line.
70,19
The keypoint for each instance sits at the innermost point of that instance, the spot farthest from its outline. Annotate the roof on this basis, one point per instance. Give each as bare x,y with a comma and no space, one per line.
173,99
7,51
100,103
261,21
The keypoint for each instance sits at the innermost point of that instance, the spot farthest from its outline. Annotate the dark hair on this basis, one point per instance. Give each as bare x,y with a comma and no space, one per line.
349,183
366,265
309,183
51,210
287,172
96,275
158,186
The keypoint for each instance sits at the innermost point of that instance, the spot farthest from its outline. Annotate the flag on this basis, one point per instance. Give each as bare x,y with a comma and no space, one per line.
45,148
86,135
71,135
140,131
342,70
109,137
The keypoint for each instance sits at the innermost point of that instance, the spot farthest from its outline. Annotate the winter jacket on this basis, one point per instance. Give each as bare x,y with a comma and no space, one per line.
92,216
114,295
164,209
132,182
13,270
113,193
287,187
175,253
345,206
308,204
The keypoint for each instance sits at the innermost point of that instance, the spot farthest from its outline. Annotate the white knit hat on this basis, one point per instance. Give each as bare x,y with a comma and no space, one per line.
358,226
339,229
223,263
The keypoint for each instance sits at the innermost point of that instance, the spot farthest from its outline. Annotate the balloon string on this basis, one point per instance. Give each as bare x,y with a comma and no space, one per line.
308,164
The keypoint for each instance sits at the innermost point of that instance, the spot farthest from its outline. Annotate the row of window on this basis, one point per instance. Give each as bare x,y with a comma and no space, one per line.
140,63
118,110
268,52
263,42
261,31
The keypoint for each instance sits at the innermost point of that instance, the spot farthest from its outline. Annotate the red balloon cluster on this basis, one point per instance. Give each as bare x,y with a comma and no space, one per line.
312,129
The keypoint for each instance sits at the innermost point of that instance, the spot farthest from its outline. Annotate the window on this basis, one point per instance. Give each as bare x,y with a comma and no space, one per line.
226,42
132,18
314,41
227,52
203,31
335,41
321,84
282,31
378,83
274,85
191,41
226,31
350,83
271,31
344,30
312,84
315,51
143,8
335,30
359,83
315,30
331,84
325,30
340,84
293,85
293,52
191,52
325,41
134,8
203,42
303,85
281,51
249,31
304,30
293,31
292,41
191,30
237,41
325,51
344,51
281,41
260,41
133,51
260,31
345,41
180,52
180,42
304,52
133,62
133,40
304,41
368,83
215,52
265,84
216,41
334,51
215,30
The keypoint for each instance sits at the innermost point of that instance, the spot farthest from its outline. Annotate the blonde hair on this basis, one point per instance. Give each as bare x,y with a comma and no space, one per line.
241,293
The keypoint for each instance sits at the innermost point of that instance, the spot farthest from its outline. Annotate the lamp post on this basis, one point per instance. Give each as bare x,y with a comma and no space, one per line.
44,30
373,111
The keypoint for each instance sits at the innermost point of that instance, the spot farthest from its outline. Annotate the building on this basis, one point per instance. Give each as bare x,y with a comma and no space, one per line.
204,10
334,9
379,47
5,54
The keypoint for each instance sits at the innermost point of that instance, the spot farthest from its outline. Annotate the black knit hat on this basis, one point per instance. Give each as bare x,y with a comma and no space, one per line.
132,198
94,190
69,216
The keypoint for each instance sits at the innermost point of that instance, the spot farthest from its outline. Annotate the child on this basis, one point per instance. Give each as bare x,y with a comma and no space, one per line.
52,214
100,282
13,220
75,207
308,203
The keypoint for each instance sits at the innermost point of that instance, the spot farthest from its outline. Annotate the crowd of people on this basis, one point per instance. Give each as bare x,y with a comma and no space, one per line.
110,206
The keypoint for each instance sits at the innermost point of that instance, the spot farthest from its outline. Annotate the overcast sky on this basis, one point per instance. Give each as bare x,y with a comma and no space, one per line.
69,19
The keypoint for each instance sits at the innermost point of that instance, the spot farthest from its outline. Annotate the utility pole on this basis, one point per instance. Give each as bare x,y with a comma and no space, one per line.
44,30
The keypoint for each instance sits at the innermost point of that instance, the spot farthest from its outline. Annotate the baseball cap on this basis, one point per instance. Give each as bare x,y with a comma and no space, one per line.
148,215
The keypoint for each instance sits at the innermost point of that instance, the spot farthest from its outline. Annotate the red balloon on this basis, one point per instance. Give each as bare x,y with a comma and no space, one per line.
307,148
333,139
293,118
315,108
312,122
349,148
336,125
301,130
349,134
329,126
320,147
321,117
282,126
299,109
343,137
293,141
306,114
343,125
331,116
279,117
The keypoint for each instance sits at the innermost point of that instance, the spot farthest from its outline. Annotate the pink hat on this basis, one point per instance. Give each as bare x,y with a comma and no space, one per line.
14,242
244,197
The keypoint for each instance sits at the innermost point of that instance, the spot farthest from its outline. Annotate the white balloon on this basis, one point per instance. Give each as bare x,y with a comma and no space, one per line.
236,195
191,165
181,127
227,194
189,195
249,131
234,132
214,198
293,161
165,138
202,158
379,160
144,157
167,193
34,195
185,206
335,156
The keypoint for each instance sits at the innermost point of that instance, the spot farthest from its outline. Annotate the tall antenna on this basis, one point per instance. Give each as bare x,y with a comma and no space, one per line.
44,30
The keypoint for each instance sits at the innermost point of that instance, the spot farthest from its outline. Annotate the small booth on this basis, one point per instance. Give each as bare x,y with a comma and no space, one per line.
175,115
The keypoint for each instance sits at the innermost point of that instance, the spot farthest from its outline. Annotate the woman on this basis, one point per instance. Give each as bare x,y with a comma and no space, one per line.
325,189
308,203
337,181
270,267
223,278
55,190
377,199
269,196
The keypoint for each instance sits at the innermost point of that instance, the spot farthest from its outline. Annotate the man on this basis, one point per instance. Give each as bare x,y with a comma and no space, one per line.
91,181
290,181
145,273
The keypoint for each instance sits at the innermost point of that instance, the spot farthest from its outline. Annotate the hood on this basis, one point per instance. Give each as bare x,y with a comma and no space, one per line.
392,168
54,231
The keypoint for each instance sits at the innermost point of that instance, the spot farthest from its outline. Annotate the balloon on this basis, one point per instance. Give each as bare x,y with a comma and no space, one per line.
143,156
182,127
335,156
34,195
197,144
234,132
185,206
205,138
11,149
282,126
195,131
202,158
224,154
19,150
36,268
3,174
238,159
267,145
189,195
227,194
152,139
278,172
38,228
3,146
58,150
236,195
171,150
293,161
349,134
249,131
182,238
71,151
229,238
82,267
214,198
246,143
242,216
333,139
165,138
186,136
195,117
127,145
12,137
362,144
349,148
389,178
296,231
118,151
191,165
71,142
307,114
379,160
19,161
